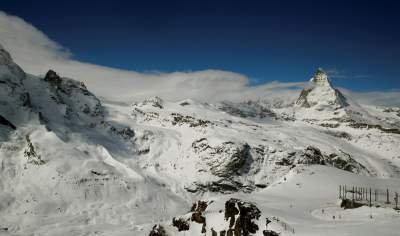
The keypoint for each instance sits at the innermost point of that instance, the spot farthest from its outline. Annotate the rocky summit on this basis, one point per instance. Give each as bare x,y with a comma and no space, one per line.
321,93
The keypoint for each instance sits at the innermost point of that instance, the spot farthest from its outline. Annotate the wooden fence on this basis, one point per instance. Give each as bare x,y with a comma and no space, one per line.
369,196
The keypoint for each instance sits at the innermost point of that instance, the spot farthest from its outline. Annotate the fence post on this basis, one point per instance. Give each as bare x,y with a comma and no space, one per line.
370,192
396,198
345,192
352,197
362,194
356,193
376,194
387,196
340,191
366,194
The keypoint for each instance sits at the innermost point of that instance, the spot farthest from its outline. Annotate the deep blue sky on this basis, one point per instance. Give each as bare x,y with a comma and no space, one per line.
265,40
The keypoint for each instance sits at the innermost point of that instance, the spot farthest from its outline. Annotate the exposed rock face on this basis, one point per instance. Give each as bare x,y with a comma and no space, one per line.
358,125
181,224
270,233
52,77
156,102
31,153
313,156
158,230
9,68
227,161
71,99
345,162
249,109
241,219
228,185
4,121
243,224
349,204
178,119
321,93
198,210
321,78
233,159
14,99
224,160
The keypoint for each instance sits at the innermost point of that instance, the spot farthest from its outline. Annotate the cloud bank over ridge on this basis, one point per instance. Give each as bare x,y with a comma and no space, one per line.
36,53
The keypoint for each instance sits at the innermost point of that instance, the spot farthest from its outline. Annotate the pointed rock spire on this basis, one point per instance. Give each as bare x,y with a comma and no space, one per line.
321,93
321,78
52,77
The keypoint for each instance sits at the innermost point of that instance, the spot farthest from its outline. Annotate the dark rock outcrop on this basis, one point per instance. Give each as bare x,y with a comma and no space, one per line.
224,160
198,209
4,121
221,186
53,78
372,126
241,219
244,223
349,204
181,224
31,153
249,109
179,119
302,100
311,156
227,161
158,230
14,69
344,161
270,233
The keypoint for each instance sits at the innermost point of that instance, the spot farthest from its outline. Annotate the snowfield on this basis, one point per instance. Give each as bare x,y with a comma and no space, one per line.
72,164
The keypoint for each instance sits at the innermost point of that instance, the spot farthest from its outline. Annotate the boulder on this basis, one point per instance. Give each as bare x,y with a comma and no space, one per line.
181,224
53,78
158,230
243,224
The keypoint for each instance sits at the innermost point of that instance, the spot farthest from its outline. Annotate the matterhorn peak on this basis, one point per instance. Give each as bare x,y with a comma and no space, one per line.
321,93
321,78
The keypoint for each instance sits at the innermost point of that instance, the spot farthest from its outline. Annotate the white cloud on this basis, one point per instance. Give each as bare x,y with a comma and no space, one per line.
36,53
376,98
341,74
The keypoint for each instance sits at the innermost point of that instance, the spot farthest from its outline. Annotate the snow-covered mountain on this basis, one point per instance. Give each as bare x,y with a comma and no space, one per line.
321,103
74,165
321,94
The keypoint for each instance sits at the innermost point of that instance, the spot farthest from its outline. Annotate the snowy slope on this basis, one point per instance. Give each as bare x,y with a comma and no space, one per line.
71,165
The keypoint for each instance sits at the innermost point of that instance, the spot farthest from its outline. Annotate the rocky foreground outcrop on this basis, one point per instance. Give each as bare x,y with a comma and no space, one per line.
237,218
